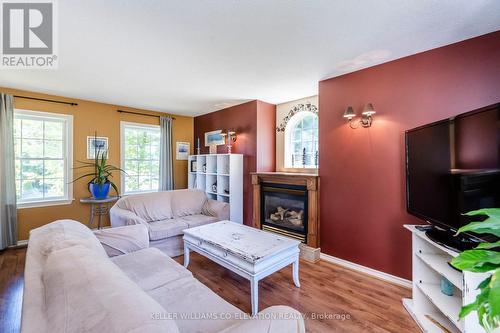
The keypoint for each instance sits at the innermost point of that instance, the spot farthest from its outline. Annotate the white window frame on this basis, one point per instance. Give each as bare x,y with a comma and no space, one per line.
68,158
124,124
287,161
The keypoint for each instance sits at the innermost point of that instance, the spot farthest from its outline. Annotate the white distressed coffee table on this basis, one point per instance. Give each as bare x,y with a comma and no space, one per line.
248,252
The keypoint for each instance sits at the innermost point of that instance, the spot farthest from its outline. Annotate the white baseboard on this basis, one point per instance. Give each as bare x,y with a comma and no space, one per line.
20,243
367,270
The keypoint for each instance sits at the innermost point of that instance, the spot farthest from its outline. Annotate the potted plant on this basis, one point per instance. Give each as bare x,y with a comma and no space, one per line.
485,258
100,184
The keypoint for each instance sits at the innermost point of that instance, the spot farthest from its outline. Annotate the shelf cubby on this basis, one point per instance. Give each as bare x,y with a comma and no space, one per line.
430,265
226,170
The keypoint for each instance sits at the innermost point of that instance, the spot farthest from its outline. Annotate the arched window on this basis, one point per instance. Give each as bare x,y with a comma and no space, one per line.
301,141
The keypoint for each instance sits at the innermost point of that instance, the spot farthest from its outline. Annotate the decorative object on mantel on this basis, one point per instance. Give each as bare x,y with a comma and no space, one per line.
303,161
296,109
366,116
182,150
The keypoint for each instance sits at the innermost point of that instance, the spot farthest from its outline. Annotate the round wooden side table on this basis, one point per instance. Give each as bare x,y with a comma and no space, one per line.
99,208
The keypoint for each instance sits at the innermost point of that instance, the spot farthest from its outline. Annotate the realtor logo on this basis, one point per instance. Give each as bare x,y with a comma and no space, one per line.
28,34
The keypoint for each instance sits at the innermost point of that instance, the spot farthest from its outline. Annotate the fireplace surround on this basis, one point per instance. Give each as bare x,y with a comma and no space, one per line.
287,204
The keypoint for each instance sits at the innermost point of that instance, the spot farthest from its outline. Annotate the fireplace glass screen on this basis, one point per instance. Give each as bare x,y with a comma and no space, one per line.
285,208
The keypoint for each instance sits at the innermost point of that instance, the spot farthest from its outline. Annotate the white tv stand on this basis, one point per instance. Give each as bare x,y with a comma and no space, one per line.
429,264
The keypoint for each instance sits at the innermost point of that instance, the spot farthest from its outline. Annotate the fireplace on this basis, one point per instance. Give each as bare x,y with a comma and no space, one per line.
284,210
288,204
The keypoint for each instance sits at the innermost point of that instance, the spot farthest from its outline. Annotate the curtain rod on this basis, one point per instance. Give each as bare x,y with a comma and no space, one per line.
142,114
46,100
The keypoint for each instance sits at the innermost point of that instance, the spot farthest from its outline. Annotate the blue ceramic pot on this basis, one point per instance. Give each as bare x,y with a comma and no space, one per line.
99,191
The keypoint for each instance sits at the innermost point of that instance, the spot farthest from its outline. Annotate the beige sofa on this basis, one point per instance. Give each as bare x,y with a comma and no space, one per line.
166,214
71,285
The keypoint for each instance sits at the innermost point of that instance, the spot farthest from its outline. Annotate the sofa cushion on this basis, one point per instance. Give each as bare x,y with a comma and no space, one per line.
88,293
216,208
197,308
122,240
150,268
153,206
187,202
166,228
65,233
198,219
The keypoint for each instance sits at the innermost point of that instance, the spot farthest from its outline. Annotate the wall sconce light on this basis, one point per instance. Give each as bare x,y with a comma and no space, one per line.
366,116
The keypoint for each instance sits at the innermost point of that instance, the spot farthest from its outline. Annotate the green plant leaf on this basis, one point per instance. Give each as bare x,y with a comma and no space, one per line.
101,170
466,309
477,260
115,188
488,245
484,283
494,295
488,226
83,176
491,212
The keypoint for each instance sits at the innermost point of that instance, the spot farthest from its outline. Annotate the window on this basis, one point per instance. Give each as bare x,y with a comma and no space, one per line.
301,141
140,157
43,157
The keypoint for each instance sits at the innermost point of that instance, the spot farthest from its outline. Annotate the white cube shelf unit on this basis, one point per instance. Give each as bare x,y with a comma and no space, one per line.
429,307
226,172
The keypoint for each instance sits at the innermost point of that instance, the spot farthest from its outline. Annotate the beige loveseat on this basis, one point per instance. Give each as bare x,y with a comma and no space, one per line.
71,285
166,214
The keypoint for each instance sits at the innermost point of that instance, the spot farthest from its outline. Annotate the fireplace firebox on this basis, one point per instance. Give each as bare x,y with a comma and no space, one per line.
284,210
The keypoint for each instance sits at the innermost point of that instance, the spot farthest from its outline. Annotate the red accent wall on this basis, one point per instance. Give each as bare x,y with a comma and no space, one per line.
266,136
254,123
362,171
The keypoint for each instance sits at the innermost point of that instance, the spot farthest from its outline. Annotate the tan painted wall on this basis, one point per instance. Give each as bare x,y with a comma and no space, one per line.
281,112
89,117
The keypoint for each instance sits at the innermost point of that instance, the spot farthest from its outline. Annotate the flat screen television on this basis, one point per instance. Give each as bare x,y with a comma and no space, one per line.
452,167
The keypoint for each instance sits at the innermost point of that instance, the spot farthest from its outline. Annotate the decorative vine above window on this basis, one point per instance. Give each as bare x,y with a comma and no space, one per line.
296,109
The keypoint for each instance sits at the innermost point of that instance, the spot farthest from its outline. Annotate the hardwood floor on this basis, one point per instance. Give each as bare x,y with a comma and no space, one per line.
326,289
11,289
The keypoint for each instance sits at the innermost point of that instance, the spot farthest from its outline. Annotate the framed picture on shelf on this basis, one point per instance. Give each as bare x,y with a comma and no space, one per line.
96,143
193,166
214,138
182,150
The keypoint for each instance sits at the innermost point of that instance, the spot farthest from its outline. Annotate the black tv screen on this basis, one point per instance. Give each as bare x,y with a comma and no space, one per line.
453,166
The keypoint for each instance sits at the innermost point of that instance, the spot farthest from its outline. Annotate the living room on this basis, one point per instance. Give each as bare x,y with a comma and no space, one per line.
232,166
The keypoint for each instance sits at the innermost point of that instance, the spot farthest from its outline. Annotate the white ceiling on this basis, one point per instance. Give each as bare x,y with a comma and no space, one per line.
194,57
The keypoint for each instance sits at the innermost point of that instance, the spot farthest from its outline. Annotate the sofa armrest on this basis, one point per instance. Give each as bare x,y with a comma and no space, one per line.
122,240
216,209
121,217
274,319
